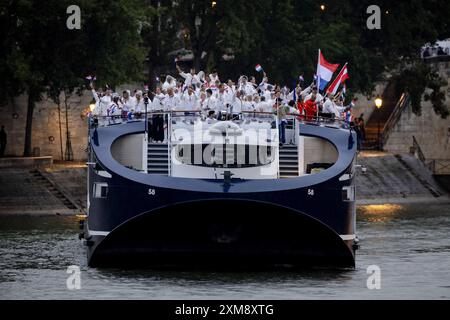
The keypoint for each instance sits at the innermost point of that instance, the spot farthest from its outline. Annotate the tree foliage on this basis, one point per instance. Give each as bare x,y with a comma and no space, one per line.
284,35
40,55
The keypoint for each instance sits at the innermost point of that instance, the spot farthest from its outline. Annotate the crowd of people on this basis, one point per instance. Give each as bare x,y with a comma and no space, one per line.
194,93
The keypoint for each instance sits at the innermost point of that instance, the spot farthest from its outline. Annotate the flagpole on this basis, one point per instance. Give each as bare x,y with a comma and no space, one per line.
317,69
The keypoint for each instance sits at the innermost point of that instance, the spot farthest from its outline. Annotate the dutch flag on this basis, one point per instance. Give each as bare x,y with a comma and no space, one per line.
325,71
258,68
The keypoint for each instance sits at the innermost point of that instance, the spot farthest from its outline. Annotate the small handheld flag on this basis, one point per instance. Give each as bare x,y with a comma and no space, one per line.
258,68
348,116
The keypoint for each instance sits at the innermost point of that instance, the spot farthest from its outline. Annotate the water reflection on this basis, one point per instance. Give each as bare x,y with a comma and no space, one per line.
380,212
404,240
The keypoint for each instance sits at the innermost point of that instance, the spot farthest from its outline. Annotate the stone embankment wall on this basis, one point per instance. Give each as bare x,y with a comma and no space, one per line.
430,130
49,125
61,188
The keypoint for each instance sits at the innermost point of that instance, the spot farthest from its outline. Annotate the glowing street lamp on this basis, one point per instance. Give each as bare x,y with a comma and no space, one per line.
378,104
213,4
322,7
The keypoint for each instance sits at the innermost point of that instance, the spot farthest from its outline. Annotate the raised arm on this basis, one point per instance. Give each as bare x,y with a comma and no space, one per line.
95,94
183,74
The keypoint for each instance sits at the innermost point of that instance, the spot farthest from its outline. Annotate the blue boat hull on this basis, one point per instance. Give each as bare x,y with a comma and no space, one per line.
230,233
155,220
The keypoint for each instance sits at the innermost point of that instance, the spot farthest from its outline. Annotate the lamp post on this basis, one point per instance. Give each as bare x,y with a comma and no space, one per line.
378,104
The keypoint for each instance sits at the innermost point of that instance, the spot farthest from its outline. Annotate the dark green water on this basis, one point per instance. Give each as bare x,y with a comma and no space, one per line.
409,243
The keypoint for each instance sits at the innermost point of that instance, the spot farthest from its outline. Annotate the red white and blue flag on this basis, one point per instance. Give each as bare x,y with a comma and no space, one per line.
341,77
258,68
325,71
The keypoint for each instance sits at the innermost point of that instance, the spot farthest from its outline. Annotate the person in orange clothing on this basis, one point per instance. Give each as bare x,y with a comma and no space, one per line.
311,108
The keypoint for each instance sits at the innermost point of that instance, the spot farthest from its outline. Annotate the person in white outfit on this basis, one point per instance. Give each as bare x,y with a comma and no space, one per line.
139,106
237,105
223,99
246,86
201,103
312,90
158,99
211,102
102,102
128,102
190,79
170,102
189,100
170,82
115,107
328,108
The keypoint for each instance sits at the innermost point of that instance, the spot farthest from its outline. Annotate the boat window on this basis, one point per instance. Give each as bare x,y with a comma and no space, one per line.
100,190
225,156
348,193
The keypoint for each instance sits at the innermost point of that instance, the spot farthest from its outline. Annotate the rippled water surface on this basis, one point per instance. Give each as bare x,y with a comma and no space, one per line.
410,244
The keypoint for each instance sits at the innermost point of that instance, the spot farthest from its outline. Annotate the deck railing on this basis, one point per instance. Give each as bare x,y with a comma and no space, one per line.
96,120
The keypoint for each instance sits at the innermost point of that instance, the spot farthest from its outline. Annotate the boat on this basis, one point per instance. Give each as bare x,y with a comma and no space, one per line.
220,193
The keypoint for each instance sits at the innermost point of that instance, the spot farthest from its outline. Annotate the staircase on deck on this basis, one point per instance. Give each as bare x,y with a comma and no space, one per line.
157,158
288,161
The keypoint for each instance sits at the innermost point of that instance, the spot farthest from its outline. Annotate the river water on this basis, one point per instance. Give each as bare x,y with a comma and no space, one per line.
409,243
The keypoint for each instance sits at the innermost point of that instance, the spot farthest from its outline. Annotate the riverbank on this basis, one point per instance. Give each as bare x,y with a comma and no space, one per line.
57,189
60,188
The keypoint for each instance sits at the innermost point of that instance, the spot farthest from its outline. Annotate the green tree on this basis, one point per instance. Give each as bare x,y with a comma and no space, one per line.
42,56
